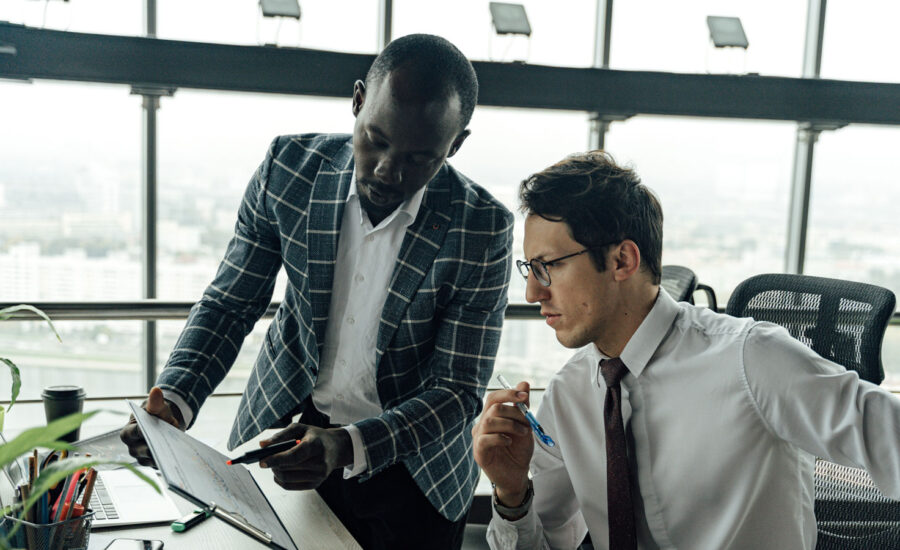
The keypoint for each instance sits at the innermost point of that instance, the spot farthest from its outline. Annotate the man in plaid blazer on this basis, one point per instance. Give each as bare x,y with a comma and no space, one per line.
433,341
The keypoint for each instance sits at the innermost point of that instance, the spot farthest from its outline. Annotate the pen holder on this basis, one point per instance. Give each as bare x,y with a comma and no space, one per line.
72,534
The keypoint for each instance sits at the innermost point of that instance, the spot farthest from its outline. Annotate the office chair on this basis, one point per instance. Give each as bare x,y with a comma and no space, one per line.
844,322
681,283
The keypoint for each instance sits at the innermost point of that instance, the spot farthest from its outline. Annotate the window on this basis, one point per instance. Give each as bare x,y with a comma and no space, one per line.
656,35
97,16
860,41
724,188
562,33
854,231
102,357
69,192
339,25
210,145
69,216
506,146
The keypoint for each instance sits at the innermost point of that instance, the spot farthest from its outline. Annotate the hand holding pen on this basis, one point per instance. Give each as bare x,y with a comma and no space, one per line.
538,430
265,452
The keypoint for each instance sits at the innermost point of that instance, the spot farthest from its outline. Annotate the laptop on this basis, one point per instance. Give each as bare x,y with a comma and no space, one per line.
122,498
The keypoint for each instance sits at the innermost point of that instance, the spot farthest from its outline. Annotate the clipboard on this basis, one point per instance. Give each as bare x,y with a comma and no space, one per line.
198,473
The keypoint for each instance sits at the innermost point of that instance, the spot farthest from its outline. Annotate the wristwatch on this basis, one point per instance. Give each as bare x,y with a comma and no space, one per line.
513,513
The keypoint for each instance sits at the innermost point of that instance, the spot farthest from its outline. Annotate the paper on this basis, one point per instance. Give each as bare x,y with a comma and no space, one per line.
199,473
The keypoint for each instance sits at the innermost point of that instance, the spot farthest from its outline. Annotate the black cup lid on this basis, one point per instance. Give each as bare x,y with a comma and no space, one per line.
63,392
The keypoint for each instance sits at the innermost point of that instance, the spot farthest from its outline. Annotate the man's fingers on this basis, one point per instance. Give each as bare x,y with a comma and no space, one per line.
295,456
506,396
500,424
156,405
159,407
294,431
131,434
488,442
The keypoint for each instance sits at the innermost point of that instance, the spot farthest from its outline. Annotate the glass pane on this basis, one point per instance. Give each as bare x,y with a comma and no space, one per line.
506,146
529,351
322,25
69,193
97,16
167,335
102,357
854,230
204,167
861,41
724,188
562,33
657,35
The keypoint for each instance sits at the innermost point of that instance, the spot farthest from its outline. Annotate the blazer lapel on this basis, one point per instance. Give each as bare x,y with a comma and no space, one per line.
326,209
421,245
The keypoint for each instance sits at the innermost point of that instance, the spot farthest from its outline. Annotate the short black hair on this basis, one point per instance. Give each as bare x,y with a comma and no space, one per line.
435,60
602,203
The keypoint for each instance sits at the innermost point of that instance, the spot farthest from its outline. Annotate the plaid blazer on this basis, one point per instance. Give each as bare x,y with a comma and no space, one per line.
438,333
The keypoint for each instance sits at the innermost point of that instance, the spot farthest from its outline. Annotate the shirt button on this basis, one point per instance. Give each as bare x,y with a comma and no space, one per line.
360,278
351,320
343,363
340,397
370,238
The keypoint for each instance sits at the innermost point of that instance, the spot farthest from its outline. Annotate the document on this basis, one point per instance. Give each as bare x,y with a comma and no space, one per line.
199,473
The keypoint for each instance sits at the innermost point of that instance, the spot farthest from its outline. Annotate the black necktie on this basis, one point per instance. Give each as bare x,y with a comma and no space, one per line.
618,484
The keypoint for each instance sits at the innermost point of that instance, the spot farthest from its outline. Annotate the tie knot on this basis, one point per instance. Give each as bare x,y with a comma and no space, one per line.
612,370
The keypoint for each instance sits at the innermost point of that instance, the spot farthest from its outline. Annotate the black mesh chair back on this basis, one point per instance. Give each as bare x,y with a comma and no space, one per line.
845,322
680,282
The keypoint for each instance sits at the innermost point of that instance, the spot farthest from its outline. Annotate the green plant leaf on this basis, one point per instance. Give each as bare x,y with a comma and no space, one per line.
2,417
42,436
16,382
7,312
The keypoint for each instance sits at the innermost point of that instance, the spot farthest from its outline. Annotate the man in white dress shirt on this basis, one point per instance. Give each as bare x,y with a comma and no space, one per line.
720,418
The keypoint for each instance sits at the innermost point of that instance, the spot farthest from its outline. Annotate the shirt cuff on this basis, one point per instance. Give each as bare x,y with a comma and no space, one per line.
359,453
504,534
182,405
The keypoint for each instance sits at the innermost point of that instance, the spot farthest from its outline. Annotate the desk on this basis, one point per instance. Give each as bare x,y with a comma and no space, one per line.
308,519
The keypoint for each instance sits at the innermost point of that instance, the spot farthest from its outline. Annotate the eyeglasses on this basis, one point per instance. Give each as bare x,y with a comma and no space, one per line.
541,269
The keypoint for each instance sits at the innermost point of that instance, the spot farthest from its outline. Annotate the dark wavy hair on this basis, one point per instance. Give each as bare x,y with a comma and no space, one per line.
602,203
438,64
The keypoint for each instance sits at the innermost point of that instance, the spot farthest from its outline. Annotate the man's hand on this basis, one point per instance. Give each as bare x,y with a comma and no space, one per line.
308,464
503,444
131,433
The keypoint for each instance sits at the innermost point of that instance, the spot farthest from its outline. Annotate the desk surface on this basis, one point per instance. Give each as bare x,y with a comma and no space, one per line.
307,518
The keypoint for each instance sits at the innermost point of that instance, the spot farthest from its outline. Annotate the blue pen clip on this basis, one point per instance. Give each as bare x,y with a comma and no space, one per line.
538,430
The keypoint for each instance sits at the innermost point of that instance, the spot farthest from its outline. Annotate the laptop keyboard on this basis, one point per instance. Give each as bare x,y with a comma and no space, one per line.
101,503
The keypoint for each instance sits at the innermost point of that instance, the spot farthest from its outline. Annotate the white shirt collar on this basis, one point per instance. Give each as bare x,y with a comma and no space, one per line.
648,336
409,207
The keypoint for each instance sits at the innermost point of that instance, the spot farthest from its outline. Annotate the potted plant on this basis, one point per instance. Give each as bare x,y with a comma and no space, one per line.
47,437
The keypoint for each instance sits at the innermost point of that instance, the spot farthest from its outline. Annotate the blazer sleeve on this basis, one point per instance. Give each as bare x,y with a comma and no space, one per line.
466,341
237,297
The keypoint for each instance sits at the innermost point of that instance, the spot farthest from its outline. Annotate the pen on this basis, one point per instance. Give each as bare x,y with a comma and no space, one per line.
538,430
259,454
190,520
239,522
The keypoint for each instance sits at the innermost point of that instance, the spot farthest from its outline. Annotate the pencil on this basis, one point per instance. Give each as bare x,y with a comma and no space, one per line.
89,488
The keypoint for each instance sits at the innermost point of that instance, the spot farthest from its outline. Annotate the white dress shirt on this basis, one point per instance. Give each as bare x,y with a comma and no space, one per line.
345,388
723,418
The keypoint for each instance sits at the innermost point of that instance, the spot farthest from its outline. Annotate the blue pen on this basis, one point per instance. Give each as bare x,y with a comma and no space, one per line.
538,430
